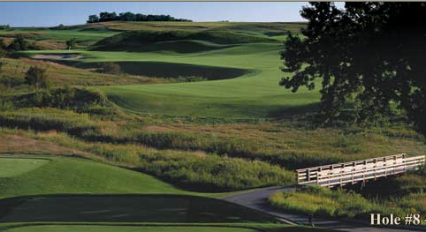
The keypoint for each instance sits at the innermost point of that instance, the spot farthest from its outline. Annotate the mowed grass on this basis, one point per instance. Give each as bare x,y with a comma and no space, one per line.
254,95
165,228
158,227
75,175
14,167
68,228
127,208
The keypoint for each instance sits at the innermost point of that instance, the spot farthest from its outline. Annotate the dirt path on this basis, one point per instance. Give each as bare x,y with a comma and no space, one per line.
257,199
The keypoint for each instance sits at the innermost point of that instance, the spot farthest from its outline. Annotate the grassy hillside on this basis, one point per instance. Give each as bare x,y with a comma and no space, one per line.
89,34
254,95
46,36
60,74
72,175
178,41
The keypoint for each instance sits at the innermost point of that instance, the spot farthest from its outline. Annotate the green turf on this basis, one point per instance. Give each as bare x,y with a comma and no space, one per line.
13,167
153,227
126,208
254,95
75,175
71,228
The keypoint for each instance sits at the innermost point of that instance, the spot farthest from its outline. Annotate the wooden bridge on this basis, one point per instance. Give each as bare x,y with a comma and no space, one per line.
358,171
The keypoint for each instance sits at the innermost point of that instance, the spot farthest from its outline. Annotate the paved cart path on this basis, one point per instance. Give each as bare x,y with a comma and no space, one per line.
257,199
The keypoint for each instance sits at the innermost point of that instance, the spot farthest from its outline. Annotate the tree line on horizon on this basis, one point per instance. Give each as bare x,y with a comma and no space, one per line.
129,16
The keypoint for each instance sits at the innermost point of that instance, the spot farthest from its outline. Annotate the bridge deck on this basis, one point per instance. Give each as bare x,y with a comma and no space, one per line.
357,171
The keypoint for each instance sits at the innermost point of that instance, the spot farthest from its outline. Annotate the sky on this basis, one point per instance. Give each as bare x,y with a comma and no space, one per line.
71,13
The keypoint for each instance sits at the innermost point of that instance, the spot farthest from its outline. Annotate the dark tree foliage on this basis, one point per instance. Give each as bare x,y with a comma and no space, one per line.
129,16
3,52
37,77
20,44
93,19
373,53
110,68
4,27
71,43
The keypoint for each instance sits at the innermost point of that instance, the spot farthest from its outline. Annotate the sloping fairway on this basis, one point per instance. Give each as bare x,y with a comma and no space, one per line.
74,175
253,95
14,167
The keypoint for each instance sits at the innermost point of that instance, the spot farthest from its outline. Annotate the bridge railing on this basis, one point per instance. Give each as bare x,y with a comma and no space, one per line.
356,171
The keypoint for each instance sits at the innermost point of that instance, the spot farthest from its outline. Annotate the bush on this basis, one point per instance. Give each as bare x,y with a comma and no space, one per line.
20,44
37,77
109,68
76,99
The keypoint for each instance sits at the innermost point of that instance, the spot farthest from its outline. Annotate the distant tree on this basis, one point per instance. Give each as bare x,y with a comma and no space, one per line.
129,16
4,27
37,77
107,16
71,43
60,27
372,52
93,19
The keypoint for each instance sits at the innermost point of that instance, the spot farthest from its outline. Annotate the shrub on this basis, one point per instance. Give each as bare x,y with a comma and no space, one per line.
37,77
109,68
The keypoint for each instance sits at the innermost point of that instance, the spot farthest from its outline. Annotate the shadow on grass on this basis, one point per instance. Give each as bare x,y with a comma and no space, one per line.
126,208
289,112
166,70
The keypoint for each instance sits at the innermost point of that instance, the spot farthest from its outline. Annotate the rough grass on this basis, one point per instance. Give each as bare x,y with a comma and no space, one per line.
200,26
61,75
44,34
284,143
326,203
195,171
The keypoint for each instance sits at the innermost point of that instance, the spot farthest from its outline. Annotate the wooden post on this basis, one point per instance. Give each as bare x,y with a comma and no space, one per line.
308,174
297,177
318,175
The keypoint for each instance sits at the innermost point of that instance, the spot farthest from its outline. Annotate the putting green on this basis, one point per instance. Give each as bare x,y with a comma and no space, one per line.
16,166
66,228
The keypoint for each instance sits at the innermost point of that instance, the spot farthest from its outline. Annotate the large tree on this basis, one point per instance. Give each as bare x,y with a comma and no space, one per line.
372,53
